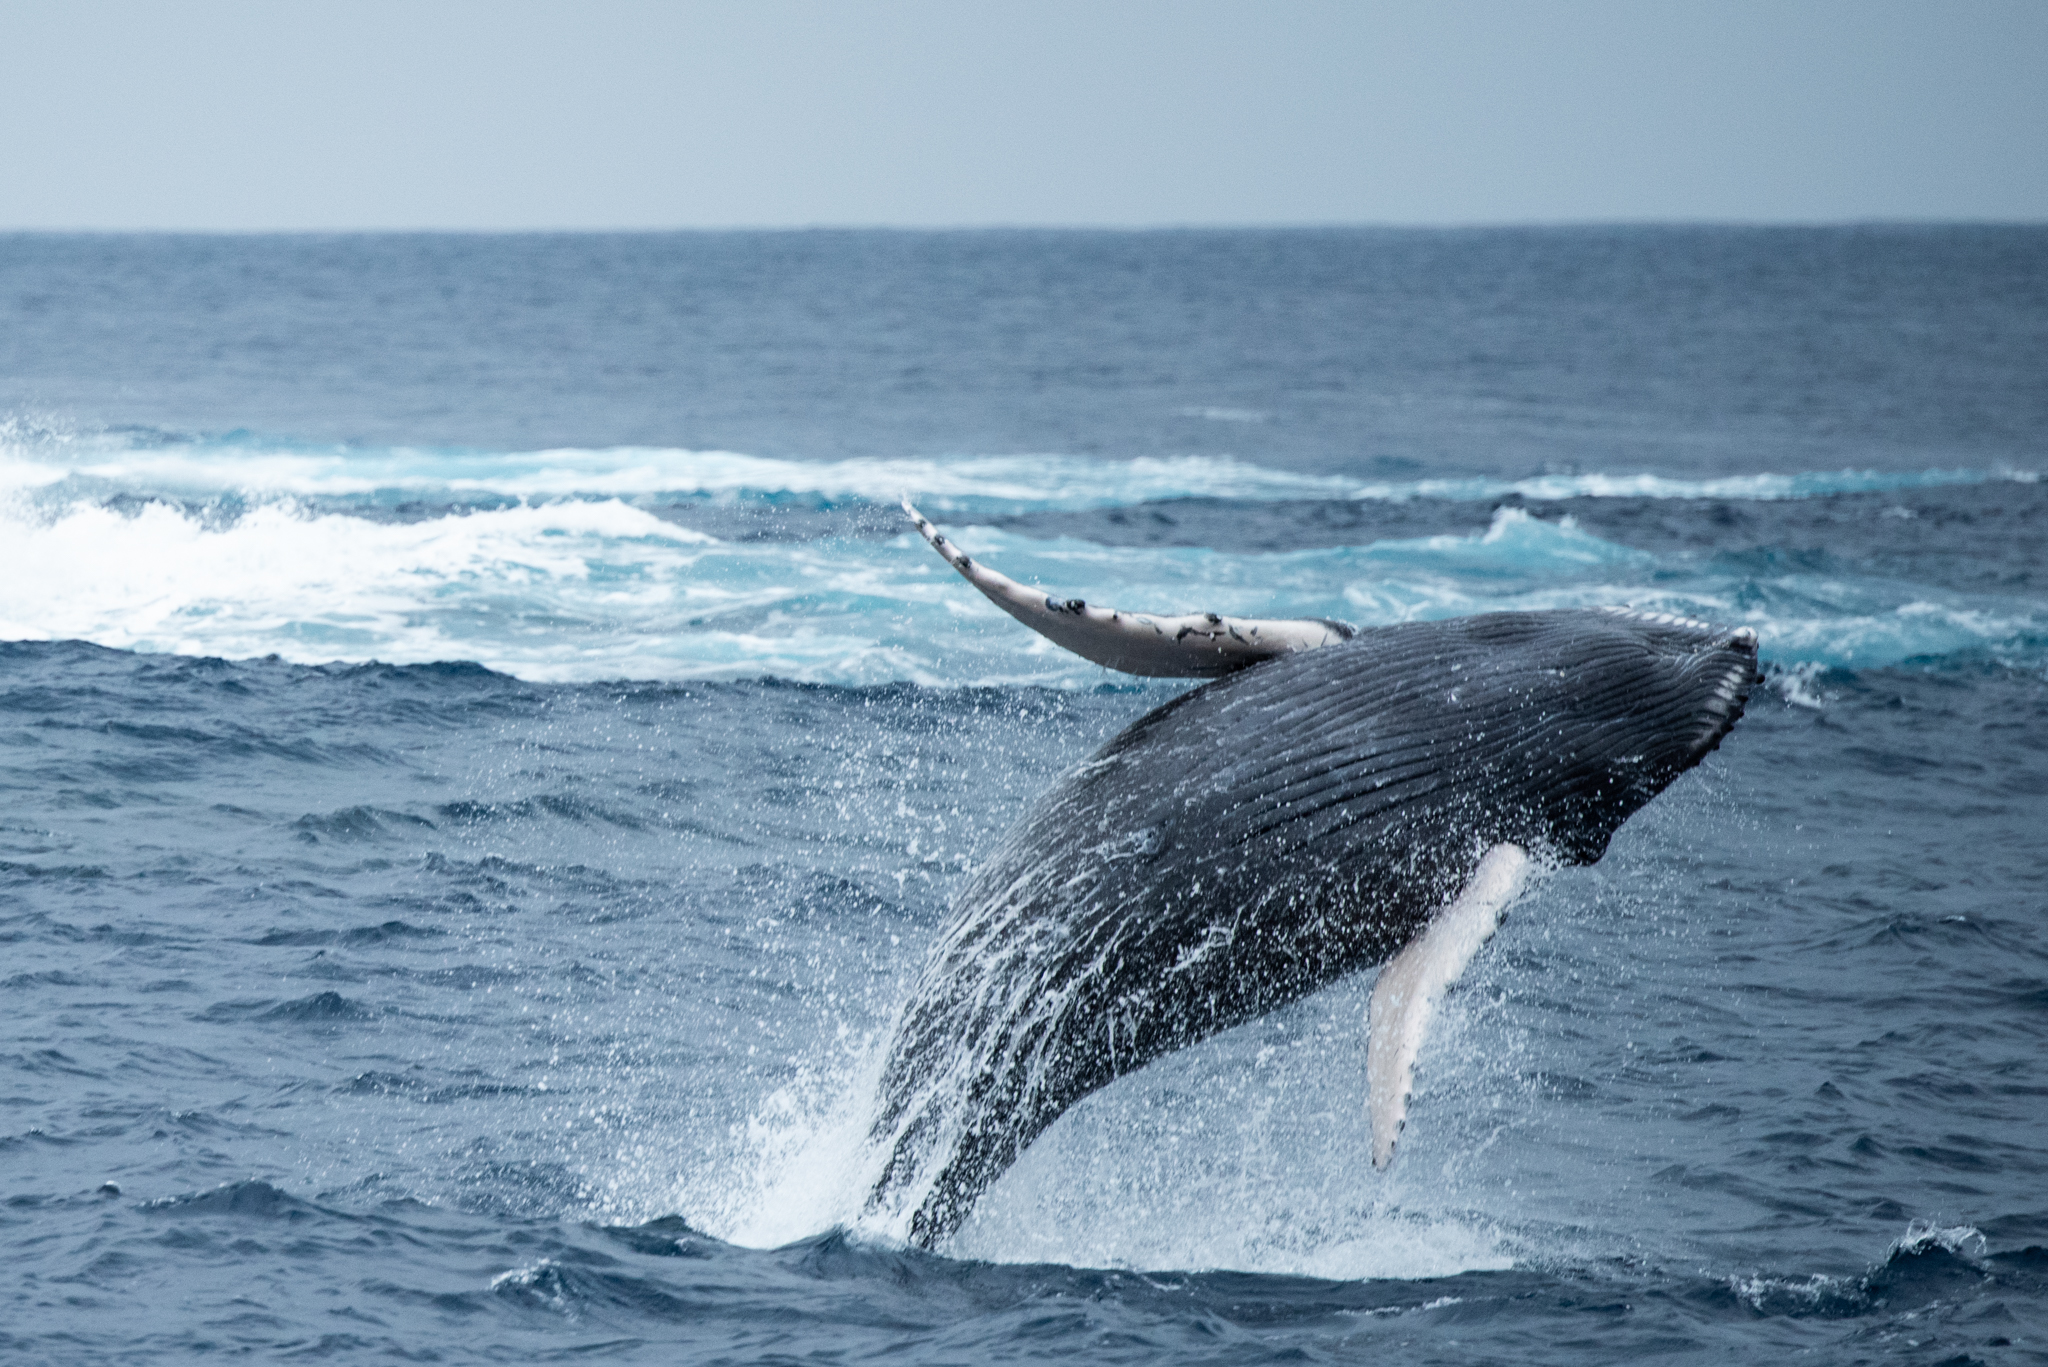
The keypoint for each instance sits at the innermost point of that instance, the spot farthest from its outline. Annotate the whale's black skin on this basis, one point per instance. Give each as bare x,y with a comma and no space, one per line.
1260,836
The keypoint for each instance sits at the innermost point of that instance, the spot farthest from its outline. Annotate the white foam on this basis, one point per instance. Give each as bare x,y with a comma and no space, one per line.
1251,1228
1920,1236
1514,539
800,1167
310,587
989,483
582,589
1799,684
1237,1188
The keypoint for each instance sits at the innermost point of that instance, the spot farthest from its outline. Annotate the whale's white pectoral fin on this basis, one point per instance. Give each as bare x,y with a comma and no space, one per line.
1405,997
1195,645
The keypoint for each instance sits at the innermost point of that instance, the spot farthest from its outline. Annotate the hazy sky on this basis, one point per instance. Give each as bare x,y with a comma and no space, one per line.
215,114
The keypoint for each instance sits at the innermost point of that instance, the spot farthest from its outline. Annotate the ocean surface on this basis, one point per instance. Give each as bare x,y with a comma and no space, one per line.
482,756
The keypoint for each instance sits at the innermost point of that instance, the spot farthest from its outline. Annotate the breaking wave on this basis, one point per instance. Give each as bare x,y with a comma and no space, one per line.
567,566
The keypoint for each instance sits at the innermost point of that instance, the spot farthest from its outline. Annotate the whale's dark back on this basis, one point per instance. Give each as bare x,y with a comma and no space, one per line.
1256,838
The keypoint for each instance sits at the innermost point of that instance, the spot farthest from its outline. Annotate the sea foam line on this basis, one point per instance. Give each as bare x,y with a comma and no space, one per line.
578,590
99,465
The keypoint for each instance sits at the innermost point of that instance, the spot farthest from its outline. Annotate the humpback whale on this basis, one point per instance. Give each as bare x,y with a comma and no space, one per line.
1333,799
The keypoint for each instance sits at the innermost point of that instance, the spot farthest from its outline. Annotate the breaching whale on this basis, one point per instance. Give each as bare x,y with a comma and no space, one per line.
1336,798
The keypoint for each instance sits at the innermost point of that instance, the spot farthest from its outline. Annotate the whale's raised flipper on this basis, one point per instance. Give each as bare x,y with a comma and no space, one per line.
1195,645
1409,987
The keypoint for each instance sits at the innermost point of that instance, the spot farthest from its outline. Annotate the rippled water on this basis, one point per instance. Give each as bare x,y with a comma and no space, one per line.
519,996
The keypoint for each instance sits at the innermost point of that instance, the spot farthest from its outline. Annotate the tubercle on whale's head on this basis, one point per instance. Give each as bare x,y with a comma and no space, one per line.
1720,661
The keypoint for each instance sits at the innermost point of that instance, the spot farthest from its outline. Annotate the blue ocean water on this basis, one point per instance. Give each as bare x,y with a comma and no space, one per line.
483,756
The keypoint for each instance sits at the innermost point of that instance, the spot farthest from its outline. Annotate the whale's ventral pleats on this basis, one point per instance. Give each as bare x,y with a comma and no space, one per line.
1305,816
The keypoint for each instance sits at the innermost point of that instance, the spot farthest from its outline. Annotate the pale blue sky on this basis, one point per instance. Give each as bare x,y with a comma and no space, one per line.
216,114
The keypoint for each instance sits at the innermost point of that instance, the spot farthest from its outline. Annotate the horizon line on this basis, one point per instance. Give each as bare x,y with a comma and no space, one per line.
1078,227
